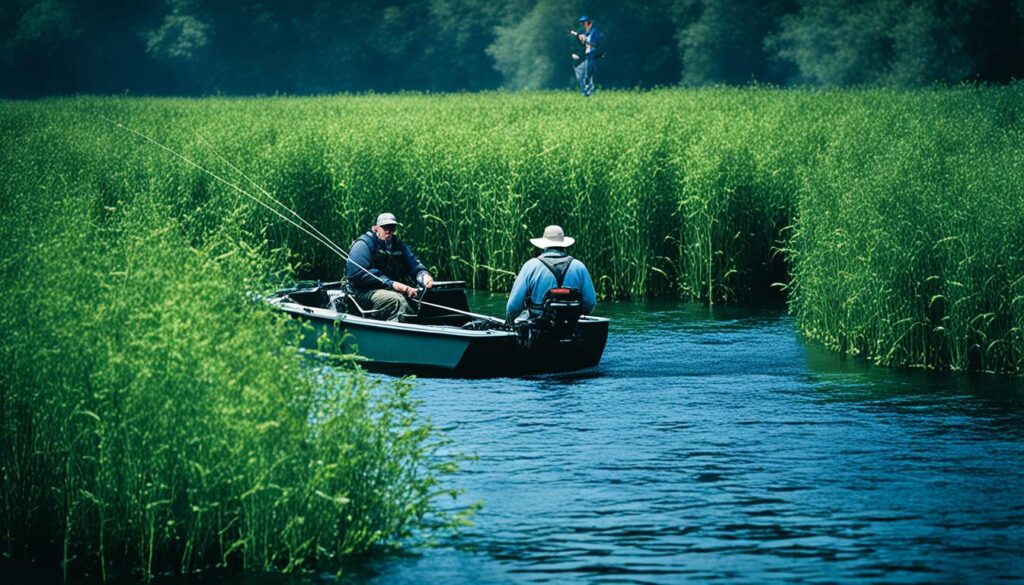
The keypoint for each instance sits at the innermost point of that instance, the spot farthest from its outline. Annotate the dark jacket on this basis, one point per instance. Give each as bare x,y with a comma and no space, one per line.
390,261
595,39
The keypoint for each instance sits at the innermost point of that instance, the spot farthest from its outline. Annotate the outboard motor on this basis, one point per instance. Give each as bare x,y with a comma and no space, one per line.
555,320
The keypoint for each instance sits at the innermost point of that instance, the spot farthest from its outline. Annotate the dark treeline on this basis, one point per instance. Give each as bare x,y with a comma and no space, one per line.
197,47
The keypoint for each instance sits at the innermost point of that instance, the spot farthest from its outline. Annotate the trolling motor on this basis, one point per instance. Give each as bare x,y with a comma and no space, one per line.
555,320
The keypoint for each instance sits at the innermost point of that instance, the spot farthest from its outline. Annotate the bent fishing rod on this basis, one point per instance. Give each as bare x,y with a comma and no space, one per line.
316,234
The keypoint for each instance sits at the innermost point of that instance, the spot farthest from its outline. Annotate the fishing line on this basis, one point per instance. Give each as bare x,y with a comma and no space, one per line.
334,246
325,240
222,180
319,238
337,249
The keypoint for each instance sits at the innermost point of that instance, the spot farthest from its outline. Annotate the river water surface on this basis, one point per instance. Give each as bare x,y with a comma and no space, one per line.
716,444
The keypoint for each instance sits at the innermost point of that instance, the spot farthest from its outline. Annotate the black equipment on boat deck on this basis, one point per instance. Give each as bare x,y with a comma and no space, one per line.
557,318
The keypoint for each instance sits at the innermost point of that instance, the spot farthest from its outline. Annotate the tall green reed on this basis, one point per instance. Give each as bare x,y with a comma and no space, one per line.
691,193
907,241
155,416
897,215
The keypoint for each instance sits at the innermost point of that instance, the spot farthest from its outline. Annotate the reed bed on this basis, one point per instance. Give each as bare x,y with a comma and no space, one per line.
157,418
151,412
908,239
856,202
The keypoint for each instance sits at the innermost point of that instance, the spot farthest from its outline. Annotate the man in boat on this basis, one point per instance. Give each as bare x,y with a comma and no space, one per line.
552,269
382,270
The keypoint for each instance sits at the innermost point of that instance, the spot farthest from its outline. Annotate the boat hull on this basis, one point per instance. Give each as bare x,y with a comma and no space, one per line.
441,350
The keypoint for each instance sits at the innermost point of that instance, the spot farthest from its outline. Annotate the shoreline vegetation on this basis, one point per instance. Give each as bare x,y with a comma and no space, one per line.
152,411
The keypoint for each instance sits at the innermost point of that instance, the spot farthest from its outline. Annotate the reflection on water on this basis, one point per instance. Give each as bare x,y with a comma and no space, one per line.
716,444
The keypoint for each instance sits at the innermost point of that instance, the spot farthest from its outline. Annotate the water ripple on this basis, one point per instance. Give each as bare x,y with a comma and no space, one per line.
717,445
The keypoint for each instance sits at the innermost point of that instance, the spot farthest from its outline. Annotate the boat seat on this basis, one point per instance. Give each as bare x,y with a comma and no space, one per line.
355,309
311,297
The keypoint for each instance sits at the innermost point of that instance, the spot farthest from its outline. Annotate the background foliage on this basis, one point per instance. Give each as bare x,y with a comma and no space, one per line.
891,217
325,46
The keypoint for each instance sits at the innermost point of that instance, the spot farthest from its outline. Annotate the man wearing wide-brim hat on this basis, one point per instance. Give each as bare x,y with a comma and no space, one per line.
551,269
382,269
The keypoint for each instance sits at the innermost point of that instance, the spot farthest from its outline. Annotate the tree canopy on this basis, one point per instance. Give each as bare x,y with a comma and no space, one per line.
199,47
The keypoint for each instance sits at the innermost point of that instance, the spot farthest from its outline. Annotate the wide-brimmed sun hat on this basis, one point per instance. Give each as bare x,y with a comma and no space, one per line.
387,219
554,237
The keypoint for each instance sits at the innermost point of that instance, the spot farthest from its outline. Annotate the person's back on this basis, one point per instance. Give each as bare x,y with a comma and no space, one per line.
538,275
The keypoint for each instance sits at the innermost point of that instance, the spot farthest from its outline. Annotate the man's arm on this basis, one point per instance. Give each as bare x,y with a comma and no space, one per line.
517,298
415,267
358,260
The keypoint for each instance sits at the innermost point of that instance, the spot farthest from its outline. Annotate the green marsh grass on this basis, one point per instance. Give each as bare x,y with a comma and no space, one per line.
908,240
151,412
154,416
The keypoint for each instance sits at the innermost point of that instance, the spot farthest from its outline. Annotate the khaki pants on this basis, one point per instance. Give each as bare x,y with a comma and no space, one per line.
392,305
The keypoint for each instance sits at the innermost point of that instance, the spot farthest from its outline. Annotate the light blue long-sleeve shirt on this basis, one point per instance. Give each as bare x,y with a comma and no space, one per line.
535,280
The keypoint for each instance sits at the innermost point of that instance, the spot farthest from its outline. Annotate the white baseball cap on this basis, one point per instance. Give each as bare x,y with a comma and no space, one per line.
387,219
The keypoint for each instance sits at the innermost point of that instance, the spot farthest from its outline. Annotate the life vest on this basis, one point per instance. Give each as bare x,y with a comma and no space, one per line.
556,318
558,266
391,262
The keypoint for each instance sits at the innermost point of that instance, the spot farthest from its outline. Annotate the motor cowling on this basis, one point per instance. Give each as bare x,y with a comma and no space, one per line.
555,320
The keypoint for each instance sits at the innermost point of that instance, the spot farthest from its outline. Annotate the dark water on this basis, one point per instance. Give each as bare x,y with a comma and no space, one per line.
715,444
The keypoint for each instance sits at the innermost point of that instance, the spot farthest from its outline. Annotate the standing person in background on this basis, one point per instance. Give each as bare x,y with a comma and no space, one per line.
553,268
591,39
382,269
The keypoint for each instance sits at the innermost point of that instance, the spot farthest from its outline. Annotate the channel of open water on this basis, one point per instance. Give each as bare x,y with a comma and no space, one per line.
717,444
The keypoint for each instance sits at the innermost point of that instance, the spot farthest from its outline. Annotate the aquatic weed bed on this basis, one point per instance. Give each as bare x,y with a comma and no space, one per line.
151,412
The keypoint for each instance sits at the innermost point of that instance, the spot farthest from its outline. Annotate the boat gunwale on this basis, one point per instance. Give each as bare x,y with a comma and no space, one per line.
299,309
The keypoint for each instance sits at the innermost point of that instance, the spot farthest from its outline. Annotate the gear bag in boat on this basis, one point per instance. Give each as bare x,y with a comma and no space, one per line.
556,319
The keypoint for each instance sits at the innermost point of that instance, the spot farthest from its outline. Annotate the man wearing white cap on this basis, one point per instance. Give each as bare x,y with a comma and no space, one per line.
552,269
382,268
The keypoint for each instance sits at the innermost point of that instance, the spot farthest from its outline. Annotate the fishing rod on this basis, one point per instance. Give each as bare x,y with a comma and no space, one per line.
452,308
337,249
334,247
322,239
318,236
461,312
330,245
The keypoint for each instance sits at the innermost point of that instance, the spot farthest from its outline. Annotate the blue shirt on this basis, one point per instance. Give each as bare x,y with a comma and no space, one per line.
594,38
535,280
